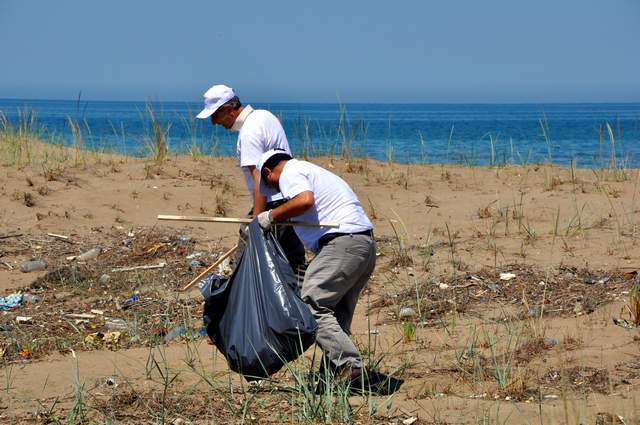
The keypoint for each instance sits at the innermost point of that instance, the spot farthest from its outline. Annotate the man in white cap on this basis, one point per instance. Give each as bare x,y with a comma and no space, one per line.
345,257
258,131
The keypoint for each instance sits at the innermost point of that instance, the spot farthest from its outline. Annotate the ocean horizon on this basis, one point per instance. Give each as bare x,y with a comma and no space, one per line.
589,134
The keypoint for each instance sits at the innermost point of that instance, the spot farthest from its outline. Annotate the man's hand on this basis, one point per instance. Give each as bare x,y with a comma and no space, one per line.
265,220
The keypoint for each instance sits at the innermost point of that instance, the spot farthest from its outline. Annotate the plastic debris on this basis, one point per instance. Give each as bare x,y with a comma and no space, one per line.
551,341
407,313
10,301
32,266
116,324
23,319
104,279
507,276
443,286
112,338
175,333
90,255
30,298
196,263
131,301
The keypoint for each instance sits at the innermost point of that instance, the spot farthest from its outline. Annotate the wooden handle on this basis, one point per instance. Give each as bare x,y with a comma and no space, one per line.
244,221
211,267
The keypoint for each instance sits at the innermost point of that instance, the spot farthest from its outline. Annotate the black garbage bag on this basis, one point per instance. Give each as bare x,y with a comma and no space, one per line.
256,318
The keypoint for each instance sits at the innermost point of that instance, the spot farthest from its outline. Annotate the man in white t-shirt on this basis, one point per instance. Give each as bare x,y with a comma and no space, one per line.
345,257
258,131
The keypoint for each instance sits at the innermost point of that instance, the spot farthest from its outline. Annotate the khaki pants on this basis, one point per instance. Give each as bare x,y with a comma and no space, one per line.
331,287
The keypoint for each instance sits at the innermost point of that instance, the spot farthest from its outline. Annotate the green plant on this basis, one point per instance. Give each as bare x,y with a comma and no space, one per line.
156,142
634,304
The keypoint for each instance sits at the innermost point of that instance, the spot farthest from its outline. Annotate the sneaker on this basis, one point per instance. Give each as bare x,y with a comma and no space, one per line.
375,383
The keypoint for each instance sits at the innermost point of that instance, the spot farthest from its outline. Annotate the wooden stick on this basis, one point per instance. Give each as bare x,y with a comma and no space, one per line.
211,267
60,237
128,269
244,221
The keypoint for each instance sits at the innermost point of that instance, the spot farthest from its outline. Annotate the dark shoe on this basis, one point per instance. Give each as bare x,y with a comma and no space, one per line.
375,383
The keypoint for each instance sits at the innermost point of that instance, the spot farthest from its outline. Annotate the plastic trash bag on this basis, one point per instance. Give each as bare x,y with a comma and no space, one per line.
256,318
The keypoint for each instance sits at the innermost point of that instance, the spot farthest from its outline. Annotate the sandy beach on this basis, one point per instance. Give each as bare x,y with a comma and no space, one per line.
500,295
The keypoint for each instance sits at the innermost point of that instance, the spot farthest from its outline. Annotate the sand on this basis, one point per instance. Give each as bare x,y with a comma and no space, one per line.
541,347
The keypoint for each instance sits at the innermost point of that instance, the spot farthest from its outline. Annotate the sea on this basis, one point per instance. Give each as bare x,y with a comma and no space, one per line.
586,134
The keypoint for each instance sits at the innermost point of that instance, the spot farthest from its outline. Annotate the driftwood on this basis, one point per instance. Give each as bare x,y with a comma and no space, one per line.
128,269
244,221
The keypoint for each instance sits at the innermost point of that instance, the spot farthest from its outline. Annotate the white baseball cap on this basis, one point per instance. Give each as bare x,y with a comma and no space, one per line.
214,98
266,190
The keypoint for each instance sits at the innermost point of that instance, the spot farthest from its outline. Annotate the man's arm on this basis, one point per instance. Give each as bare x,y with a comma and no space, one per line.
259,200
294,207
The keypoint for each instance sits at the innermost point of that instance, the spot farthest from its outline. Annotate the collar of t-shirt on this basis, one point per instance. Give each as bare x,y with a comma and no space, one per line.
239,122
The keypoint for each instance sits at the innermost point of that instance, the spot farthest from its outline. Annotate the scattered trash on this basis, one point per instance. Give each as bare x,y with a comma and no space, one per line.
71,273
10,301
184,240
128,269
32,266
550,397
25,352
410,420
60,237
196,263
507,276
202,331
623,323
225,267
30,298
551,341
443,286
116,324
104,279
589,280
631,275
194,255
99,312
542,283
111,338
407,313
80,315
493,287
128,303
111,382
23,319
175,333
90,255
93,339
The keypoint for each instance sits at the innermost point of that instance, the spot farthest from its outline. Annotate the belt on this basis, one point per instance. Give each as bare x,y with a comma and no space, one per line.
331,236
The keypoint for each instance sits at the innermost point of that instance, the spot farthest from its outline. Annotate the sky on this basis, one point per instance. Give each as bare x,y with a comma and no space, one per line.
453,51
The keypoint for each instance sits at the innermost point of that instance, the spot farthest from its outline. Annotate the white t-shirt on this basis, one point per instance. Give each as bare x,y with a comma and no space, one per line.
260,132
334,201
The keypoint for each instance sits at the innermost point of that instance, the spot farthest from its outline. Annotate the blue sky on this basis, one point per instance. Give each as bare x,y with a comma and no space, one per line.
357,51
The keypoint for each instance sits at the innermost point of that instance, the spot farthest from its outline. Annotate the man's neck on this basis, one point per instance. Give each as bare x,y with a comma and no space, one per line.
242,116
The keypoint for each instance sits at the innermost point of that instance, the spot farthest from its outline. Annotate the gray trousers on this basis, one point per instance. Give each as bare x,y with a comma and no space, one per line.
331,287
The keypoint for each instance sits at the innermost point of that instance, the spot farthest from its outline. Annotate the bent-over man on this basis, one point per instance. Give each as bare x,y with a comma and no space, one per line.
345,257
